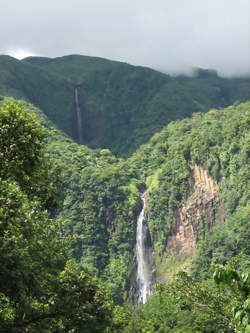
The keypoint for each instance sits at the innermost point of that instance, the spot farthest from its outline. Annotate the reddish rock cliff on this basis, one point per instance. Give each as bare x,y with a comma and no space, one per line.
200,202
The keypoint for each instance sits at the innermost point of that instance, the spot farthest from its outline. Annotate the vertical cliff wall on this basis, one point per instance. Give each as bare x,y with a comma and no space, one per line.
197,212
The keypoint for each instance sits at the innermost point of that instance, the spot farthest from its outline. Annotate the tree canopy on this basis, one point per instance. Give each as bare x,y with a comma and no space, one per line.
41,288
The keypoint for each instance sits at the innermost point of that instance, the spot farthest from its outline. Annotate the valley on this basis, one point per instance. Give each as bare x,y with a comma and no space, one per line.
141,180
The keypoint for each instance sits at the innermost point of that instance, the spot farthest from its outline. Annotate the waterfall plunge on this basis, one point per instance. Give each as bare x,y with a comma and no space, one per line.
78,118
144,272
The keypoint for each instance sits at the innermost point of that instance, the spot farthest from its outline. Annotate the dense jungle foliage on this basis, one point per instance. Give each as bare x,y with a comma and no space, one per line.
41,288
219,305
219,141
122,106
59,200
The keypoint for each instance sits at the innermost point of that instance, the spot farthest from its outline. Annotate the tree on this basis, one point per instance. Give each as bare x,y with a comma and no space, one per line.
22,155
228,277
41,290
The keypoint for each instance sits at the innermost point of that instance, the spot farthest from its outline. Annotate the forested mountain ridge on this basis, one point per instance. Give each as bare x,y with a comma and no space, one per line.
100,203
194,173
122,106
101,193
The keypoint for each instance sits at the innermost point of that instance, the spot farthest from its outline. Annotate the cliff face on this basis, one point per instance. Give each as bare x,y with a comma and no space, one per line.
199,206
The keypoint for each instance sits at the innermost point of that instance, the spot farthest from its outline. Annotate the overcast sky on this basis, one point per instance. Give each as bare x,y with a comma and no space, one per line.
170,35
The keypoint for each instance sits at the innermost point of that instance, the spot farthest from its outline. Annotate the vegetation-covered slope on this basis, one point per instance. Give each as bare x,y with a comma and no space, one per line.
51,92
219,305
100,205
219,143
74,67
41,288
100,201
101,198
122,106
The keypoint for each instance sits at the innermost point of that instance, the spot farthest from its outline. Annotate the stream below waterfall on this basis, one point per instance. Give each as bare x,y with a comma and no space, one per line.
143,253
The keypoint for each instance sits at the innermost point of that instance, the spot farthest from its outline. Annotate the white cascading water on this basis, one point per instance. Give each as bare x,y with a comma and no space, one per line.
144,274
78,118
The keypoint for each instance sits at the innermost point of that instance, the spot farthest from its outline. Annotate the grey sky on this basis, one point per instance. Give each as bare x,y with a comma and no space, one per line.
170,35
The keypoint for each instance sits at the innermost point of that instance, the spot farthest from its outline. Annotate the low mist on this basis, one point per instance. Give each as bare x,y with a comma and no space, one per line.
171,36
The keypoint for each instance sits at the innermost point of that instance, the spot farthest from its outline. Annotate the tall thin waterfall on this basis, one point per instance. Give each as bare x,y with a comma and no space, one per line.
144,272
78,118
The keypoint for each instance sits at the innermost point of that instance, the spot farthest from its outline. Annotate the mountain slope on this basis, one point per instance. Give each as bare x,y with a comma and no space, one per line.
197,165
195,172
51,92
122,106
74,67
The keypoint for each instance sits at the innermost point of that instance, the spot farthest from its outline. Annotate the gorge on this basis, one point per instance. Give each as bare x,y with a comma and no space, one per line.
194,213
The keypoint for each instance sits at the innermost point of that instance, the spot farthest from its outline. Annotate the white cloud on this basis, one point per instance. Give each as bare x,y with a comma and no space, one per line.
164,34
20,54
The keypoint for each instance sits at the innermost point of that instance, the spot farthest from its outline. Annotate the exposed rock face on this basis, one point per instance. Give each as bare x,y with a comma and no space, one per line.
200,203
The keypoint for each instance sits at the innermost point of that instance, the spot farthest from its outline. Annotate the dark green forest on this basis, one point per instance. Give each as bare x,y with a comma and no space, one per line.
68,212
122,106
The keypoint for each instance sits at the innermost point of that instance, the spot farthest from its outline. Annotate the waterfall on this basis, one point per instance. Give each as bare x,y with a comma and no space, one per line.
144,272
78,118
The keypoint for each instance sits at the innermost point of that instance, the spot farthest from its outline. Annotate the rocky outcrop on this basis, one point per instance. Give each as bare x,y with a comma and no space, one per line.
198,208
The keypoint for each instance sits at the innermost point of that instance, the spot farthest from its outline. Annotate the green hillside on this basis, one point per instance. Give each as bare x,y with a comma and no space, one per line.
195,165
218,143
74,67
68,212
102,203
41,288
122,106
101,197
51,92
